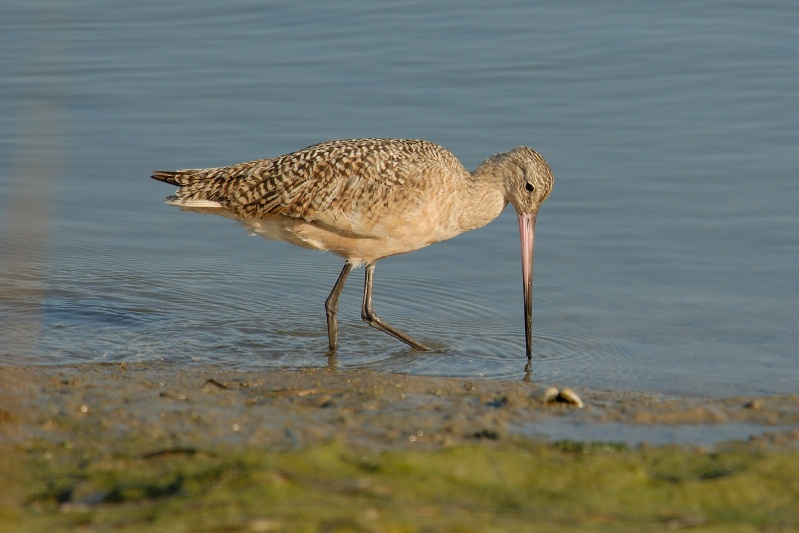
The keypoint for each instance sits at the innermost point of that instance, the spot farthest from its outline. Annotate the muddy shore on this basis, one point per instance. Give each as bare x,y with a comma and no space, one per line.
200,406
99,413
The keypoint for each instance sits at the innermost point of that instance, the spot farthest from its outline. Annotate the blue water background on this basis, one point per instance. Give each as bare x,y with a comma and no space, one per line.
667,257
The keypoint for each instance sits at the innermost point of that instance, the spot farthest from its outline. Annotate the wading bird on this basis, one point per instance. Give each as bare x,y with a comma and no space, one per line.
366,199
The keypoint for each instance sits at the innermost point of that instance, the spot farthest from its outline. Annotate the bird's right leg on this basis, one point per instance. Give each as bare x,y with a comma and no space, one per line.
371,318
331,306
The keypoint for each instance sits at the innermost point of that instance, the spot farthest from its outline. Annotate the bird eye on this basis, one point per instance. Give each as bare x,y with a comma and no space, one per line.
529,187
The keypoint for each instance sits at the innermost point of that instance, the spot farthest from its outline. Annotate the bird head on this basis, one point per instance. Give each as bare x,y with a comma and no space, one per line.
527,180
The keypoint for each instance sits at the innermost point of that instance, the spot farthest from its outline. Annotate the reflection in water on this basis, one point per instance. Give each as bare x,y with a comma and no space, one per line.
25,231
31,191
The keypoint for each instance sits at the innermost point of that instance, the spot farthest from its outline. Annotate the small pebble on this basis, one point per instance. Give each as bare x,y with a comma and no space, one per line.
754,404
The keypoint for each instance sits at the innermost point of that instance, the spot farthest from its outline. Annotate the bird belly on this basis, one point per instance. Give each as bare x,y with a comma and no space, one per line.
356,248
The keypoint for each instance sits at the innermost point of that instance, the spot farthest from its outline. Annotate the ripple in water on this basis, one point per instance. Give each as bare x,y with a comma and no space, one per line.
268,312
558,355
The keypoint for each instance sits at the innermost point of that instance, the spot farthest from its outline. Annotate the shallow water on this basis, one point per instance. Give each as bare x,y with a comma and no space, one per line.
655,435
665,259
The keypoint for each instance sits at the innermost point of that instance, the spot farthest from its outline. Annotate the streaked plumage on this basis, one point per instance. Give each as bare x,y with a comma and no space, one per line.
365,199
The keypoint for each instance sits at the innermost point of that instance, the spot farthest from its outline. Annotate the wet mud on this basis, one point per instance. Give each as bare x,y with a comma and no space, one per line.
138,446
201,406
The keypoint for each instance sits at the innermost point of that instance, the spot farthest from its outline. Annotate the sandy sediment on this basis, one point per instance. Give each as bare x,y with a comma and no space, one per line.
160,407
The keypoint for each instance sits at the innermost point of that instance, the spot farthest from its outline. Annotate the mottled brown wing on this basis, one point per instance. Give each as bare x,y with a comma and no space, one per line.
331,181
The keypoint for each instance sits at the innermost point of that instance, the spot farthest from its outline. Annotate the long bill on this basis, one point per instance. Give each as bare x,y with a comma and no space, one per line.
527,234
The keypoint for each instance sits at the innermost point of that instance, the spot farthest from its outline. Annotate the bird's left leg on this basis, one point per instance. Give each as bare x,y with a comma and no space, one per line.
369,316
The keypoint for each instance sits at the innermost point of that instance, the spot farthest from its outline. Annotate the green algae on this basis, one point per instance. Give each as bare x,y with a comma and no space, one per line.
514,486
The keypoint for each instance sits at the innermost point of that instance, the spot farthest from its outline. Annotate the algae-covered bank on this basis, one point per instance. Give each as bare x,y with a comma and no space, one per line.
145,447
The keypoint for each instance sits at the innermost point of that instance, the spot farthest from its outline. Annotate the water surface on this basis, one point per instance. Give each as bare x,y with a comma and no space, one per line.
665,259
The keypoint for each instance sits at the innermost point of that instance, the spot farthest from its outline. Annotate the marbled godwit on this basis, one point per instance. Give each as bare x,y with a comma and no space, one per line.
367,199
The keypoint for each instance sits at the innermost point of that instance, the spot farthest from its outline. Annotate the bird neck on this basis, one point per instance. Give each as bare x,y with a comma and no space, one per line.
485,197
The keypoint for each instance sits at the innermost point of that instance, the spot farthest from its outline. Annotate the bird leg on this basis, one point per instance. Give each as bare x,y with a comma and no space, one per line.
331,305
369,316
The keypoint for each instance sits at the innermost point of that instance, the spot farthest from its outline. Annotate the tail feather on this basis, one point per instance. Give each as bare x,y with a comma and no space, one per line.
181,178
197,188
166,176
